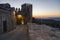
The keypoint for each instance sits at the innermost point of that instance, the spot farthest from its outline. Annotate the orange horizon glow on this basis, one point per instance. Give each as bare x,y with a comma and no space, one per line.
44,15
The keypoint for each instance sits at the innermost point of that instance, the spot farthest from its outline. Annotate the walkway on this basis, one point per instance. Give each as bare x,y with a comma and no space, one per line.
19,33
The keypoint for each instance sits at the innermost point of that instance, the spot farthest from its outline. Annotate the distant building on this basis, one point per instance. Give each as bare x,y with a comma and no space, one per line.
19,16
7,20
26,13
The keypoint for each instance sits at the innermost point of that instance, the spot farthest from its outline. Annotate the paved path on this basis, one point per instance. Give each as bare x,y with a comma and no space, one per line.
19,33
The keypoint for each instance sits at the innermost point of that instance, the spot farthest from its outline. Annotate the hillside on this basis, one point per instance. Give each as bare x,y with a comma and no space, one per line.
49,22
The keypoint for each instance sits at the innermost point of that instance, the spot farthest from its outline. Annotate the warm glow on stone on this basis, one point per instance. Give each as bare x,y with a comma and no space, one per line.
19,16
22,22
13,12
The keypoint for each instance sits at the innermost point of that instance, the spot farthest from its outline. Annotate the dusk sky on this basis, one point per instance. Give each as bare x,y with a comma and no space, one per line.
41,8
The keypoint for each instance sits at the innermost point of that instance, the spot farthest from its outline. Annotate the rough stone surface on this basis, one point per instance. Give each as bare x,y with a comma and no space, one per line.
43,32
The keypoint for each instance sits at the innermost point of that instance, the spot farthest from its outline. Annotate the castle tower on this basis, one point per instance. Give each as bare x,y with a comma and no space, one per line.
27,11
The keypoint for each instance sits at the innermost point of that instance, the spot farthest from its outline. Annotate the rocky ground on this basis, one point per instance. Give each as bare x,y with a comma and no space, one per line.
35,32
43,32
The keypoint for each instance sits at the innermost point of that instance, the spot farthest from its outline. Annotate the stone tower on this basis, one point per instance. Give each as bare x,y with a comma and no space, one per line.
27,11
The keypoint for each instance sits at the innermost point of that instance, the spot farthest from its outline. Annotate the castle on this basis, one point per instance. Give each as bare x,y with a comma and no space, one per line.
9,16
25,14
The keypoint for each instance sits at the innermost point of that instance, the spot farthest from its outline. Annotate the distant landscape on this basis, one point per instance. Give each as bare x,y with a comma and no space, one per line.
53,22
56,18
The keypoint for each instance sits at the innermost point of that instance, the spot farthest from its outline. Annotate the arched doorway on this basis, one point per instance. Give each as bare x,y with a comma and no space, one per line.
20,19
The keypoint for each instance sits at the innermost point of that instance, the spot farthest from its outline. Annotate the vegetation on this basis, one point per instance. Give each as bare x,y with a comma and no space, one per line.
50,22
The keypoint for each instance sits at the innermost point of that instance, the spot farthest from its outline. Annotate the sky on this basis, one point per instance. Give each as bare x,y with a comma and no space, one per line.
41,8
